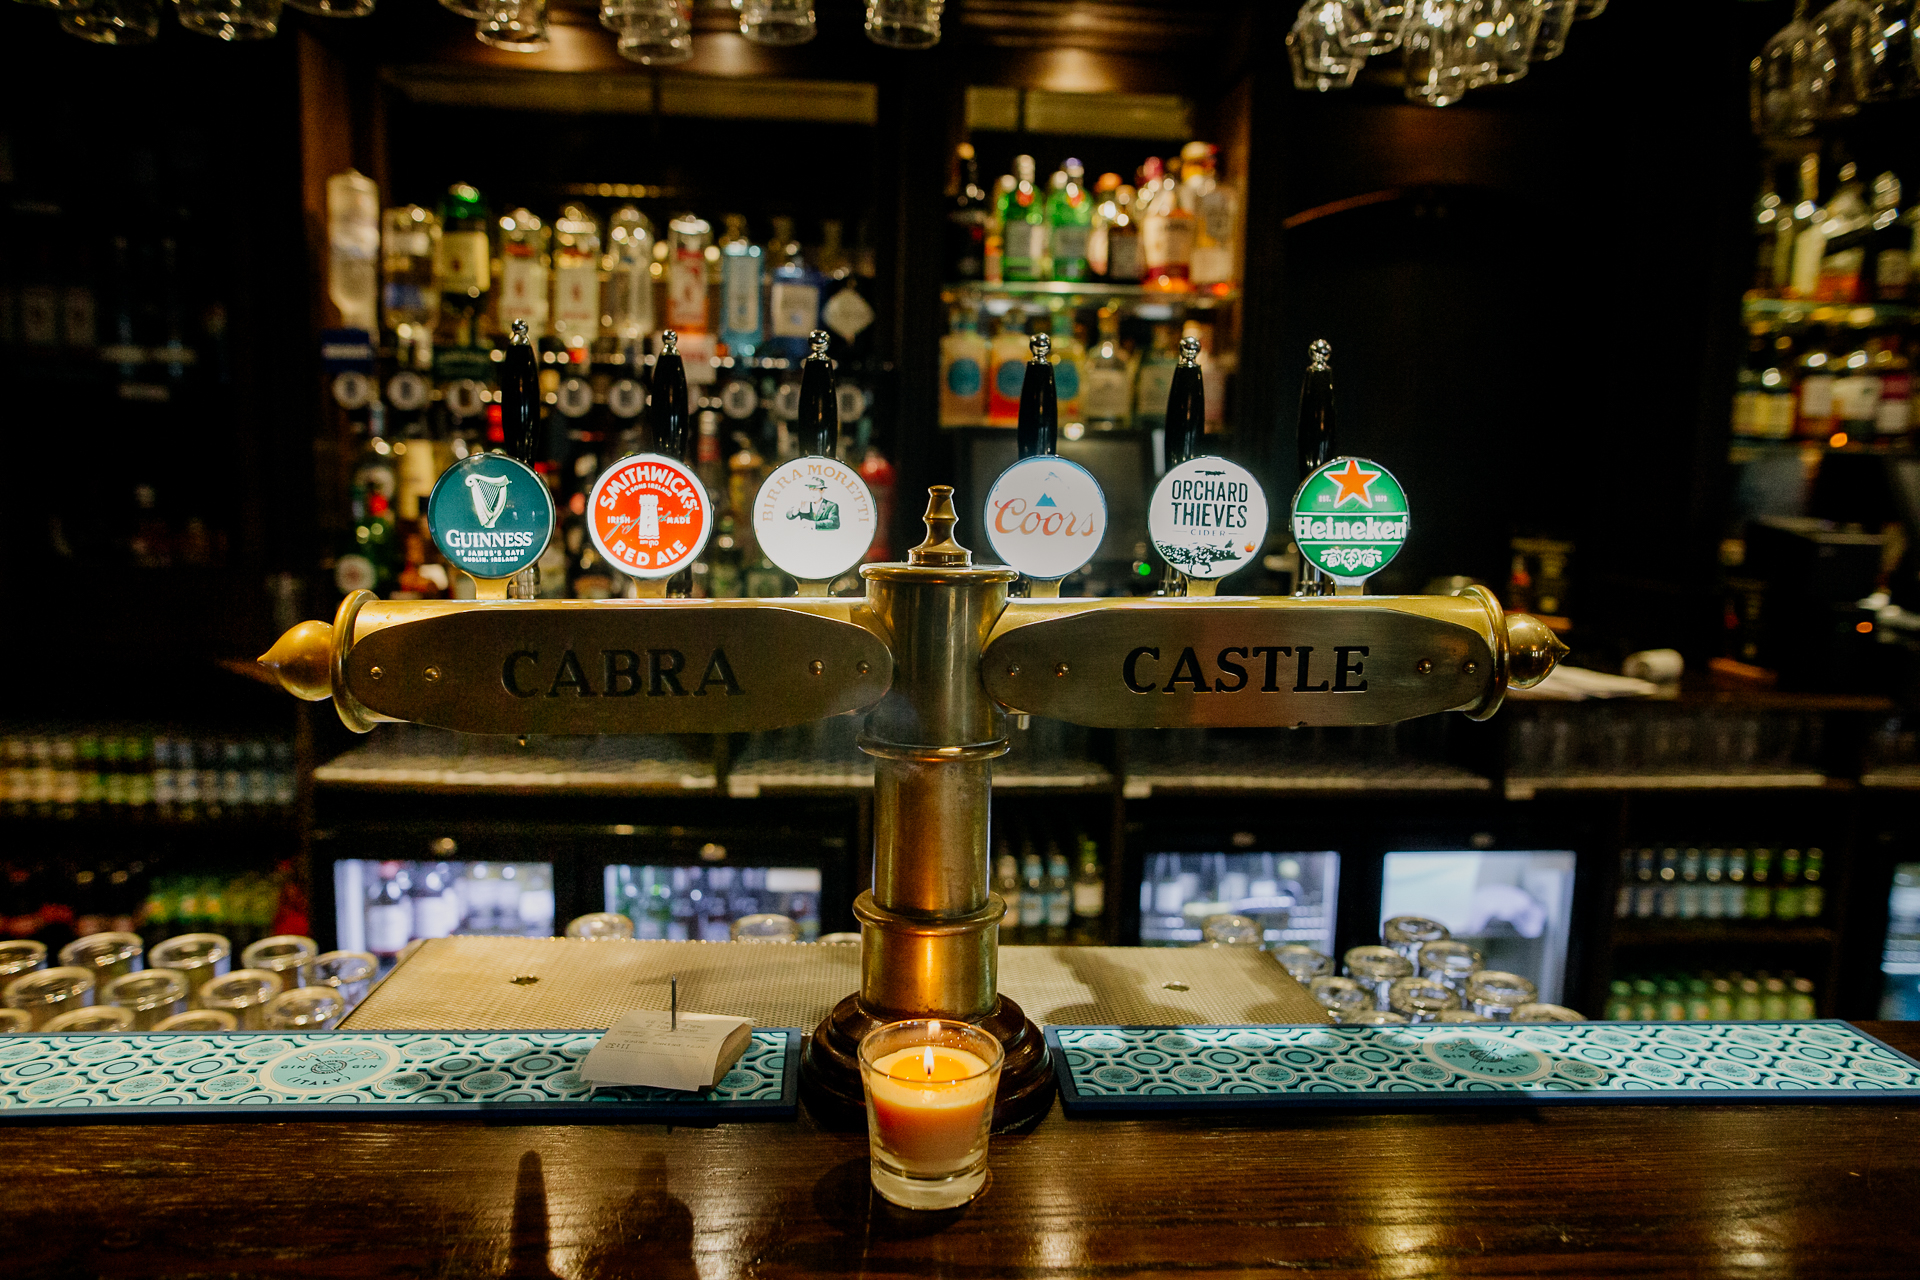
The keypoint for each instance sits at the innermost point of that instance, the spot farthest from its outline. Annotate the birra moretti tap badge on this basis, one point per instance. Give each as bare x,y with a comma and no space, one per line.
1045,517
649,515
1350,518
1208,517
814,518
490,515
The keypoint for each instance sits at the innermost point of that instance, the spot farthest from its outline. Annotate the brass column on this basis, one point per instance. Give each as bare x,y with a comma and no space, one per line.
929,939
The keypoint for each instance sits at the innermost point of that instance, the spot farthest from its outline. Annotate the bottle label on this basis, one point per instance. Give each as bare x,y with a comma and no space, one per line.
407,392
464,265
796,309
1893,269
1212,264
850,401
847,313
1167,242
1089,900
575,398
1123,255
738,399
1894,416
1816,397
1059,909
633,299
1856,398
1069,244
964,377
352,390
687,291
1776,416
389,928
523,293
1156,384
463,398
740,288
626,398
576,298
1106,394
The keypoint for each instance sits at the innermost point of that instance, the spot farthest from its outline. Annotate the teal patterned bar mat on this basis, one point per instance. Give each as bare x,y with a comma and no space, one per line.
530,1077
1108,1070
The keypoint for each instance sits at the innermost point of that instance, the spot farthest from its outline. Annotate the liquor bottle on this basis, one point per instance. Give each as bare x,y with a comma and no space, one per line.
1856,388
353,250
963,373
1006,883
371,562
1059,895
577,311
1747,383
1845,237
1037,430
1786,896
628,293
1815,419
464,270
997,229
746,470
1713,900
526,261
708,463
409,246
389,912
880,478
1069,358
967,218
687,238
1216,217
1069,223
1779,407
1166,231
793,295
1813,895
740,289
1154,382
434,903
1808,229
1768,211
848,316
1033,895
1895,417
1007,355
1891,245
1125,262
1106,401
1089,896
1022,216
830,255
1759,885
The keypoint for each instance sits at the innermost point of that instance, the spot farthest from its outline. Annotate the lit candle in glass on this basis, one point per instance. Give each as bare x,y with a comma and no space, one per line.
930,1087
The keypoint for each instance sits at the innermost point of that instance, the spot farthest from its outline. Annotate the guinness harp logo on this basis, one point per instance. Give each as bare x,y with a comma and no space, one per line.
489,497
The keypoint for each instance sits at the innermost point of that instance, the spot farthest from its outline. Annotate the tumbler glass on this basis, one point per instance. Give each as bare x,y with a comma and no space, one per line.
1782,81
600,924
1496,994
105,955
152,995
19,957
203,1020
1547,1013
306,1009
104,1017
1556,19
1340,996
287,956
1376,969
1302,961
615,15
197,957
777,22
764,927
1407,934
244,993
114,22
331,8
518,26
1229,929
1327,45
1385,21
50,992
904,24
351,973
1449,963
1505,31
1434,53
231,19
15,1022
930,1085
1843,35
1421,999
656,42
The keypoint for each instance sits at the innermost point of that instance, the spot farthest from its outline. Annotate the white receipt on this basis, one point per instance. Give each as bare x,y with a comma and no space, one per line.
644,1048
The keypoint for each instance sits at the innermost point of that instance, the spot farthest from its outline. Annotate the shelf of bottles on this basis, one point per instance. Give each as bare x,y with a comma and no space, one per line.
1117,273
1054,882
597,284
700,904
1660,746
143,774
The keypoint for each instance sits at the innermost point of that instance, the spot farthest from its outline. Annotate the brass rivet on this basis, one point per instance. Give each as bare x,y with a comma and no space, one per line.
1424,666
861,668
524,980
433,674
816,667
376,673
1060,670
1014,670
1471,668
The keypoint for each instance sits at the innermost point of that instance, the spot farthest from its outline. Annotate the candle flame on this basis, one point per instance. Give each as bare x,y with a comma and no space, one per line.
926,1061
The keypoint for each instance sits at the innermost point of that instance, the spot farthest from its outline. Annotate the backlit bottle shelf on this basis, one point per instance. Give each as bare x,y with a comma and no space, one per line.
1089,291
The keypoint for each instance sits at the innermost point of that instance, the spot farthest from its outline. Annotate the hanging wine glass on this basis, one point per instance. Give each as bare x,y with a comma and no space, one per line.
518,26
654,33
777,22
1324,46
1893,73
1502,39
904,24
231,19
114,22
1385,20
1842,66
1782,79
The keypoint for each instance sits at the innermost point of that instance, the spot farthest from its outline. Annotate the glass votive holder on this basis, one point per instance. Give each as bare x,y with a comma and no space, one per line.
1421,999
244,993
20,956
930,1085
1448,963
204,1020
1496,994
1547,1013
15,1022
101,1017
306,1009
105,955
287,956
1340,996
1373,1018
1407,934
1376,969
600,924
197,957
49,993
1461,1015
767,926
1303,962
351,973
904,24
1230,929
151,995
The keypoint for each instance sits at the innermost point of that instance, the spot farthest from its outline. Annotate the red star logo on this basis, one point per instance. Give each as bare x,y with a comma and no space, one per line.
1353,483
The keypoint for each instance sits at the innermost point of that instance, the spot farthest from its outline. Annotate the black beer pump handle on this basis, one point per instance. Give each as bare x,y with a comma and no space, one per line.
520,396
1186,406
819,411
667,400
1316,408
1039,430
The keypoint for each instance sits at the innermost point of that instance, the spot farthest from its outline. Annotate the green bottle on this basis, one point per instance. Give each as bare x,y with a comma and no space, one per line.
1022,213
1069,222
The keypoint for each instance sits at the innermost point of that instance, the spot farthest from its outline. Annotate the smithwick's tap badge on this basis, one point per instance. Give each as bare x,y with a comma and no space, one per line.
1350,518
1207,517
814,518
490,515
649,515
1046,517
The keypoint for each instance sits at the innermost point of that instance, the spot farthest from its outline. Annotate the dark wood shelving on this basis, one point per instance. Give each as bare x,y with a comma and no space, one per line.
1660,933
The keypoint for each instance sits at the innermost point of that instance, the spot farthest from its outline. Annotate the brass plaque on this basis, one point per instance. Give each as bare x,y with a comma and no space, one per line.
1245,662
616,667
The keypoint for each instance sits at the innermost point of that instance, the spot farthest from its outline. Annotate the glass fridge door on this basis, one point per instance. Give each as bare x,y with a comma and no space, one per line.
1900,961
700,903
382,905
1516,908
1291,895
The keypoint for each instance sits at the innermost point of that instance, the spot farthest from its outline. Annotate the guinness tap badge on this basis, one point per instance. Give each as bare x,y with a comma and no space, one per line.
649,515
490,515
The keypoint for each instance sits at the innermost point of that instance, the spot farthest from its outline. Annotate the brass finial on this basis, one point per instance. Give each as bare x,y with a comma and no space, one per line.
669,343
1190,352
519,333
1319,354
1533,651
940,548
817,342
1040,344
302,661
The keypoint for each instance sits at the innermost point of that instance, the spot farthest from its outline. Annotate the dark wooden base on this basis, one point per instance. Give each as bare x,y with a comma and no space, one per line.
830,1066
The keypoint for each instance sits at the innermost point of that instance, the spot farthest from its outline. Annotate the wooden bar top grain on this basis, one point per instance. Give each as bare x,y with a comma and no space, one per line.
1603,1191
